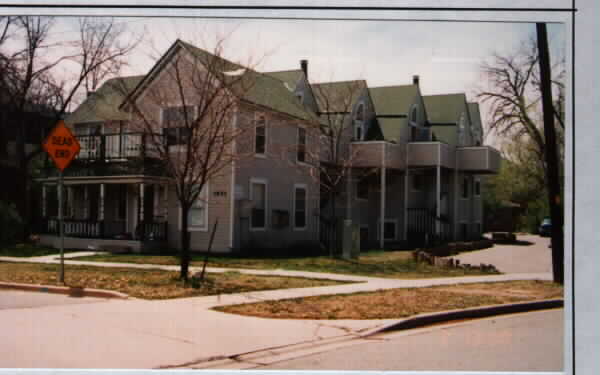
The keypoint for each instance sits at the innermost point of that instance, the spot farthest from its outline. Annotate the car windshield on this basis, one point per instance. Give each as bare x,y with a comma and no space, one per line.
546,221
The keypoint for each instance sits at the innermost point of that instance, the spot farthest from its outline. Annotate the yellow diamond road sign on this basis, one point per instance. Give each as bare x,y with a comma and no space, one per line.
61,145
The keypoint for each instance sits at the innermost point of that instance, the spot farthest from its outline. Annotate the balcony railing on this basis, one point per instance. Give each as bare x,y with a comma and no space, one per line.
118,146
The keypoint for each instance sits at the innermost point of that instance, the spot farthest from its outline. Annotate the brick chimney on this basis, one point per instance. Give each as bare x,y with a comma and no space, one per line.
304,67
416,80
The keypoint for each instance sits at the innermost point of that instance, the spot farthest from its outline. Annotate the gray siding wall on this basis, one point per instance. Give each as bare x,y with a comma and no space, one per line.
219,208
281,172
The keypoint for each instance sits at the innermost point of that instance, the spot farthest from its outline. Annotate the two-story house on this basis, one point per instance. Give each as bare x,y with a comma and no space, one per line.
416,159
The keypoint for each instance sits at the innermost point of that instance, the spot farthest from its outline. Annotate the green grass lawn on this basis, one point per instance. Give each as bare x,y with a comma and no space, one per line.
392,264
28,250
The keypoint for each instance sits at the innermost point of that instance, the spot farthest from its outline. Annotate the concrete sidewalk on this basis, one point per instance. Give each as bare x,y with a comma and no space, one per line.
182,332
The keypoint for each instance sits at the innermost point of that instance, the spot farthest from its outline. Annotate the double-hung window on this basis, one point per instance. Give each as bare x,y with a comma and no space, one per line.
476,188
299,207
176,122
258,191
198,212
301,149
260,136
465,188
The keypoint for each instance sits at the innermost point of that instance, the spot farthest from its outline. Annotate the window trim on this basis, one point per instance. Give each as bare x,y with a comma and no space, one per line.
395,222
265,182
257,116
298,144
305,188
197,228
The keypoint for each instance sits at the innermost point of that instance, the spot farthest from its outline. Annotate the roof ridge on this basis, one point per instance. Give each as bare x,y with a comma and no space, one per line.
334,82
392,86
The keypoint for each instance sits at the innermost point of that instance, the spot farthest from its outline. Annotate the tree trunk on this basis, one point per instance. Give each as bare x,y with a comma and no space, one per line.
552,167
332,227
185,244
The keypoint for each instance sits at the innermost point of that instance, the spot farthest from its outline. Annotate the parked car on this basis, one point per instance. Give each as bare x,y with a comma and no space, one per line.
545,229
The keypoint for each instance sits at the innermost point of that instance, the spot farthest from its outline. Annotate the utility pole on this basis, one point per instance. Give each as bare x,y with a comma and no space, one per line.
552,167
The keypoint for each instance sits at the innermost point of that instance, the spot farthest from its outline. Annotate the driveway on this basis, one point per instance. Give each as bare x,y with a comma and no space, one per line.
532,256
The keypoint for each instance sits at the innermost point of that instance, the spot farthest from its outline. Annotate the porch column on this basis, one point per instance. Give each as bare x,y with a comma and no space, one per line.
141,204
165,202
406,205
382,208
438,192
101,203
456,194
43,200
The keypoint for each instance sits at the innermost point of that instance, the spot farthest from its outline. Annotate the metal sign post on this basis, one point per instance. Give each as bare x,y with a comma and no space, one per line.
61,276
62,147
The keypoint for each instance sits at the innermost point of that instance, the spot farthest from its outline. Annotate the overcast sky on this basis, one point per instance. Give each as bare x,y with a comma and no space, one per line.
446,55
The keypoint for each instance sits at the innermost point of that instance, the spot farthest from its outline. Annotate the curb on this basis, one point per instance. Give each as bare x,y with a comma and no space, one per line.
471,313
68,290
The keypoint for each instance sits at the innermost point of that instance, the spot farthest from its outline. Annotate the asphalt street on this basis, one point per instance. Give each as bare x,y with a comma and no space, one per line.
521,342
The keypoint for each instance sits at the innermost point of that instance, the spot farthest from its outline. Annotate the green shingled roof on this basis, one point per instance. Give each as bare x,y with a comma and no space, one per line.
103,105
291,77
264,89
393,100
337,96
392,128
445,109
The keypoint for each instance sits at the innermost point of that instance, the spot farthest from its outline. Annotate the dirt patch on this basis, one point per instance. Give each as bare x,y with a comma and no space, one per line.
150,284
399,303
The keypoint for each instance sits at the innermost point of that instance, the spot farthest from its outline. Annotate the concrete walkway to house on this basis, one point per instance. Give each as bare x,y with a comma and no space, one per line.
184,332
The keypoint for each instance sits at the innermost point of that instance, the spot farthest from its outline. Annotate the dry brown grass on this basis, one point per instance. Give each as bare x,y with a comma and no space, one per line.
390,264
149,284
400,303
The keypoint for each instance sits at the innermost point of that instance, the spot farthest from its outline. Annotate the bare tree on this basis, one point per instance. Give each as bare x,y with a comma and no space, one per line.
199,96
334,164
35,79
514,95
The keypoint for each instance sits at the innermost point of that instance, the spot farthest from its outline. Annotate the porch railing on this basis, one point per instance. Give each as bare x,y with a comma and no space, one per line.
421,227
104,229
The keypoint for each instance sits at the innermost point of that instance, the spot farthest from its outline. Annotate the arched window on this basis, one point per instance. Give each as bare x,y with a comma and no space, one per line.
360,113
413,115
359,119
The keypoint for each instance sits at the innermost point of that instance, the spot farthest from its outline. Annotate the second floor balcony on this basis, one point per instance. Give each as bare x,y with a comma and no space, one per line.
118,147
113,155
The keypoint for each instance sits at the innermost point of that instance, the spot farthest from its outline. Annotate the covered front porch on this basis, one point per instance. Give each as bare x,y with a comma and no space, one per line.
104,212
